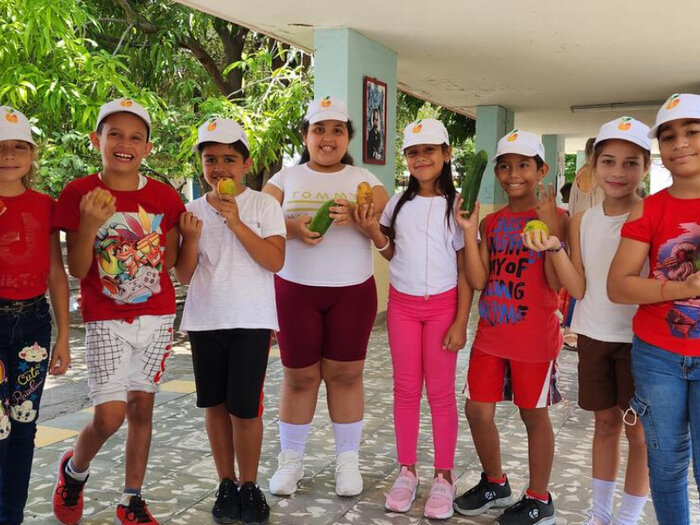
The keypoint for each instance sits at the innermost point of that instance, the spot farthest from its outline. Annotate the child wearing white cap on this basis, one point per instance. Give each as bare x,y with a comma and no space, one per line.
665,228
326,297
232,243
518,336
122,234
621,157
30,264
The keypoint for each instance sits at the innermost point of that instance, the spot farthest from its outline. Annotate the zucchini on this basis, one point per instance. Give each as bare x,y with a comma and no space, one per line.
472,180
322,218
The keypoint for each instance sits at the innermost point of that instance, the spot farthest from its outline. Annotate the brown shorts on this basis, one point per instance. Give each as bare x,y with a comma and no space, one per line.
604,374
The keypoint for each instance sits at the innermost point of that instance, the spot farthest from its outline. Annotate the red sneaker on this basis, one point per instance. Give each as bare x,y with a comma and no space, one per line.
68,495
135,513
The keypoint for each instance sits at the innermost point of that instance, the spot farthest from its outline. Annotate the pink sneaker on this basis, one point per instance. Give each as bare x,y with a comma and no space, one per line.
403,492
439,505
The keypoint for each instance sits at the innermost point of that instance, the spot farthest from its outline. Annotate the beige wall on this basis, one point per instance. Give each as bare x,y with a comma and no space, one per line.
381,276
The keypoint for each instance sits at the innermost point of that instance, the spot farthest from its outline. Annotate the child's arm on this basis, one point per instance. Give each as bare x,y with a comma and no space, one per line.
549,270
297,227
476,254
456,336
187,258
59,292
94,211
172,247
367,222
627,287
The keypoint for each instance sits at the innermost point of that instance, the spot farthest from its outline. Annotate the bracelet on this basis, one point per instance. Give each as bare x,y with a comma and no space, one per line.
557,250
388,243
663,283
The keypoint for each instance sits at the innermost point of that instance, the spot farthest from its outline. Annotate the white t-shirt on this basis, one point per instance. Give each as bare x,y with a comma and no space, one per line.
425,246
228,288
344,256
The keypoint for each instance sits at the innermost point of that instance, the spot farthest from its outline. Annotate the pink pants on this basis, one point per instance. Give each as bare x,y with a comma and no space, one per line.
417,329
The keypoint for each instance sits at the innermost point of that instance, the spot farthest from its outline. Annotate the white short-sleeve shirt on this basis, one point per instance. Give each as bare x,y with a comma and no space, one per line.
229,289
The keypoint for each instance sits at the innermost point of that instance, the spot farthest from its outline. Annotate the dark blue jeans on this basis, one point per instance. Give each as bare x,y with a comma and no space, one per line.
667,399
25,339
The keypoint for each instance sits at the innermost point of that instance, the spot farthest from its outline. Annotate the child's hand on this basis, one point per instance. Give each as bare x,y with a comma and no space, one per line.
300,230
60,357
96,207
190,227
547,208
539,241
341,213
455,338
693,283
365,219
468,222
228,209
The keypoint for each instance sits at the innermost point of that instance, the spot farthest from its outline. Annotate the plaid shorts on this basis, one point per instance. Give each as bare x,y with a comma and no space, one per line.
125,355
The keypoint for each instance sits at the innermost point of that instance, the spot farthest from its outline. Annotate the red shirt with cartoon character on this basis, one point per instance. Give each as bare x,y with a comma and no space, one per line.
128,277
671,228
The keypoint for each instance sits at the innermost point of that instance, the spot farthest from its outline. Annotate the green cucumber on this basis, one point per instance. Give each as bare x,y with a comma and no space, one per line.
472,180
322,218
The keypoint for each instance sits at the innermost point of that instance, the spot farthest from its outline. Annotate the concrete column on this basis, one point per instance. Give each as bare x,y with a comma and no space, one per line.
492,123
580,159
555,157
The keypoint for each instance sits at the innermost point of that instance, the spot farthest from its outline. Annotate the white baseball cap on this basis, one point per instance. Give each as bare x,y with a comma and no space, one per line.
625,128
425,131
124,105
14,125
678,105
326,108
221,130
520,142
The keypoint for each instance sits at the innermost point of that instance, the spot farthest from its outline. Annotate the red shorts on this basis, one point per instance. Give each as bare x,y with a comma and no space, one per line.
331,322
491,379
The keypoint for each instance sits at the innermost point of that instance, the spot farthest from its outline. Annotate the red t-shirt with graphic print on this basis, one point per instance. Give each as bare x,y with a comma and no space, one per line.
671,228
25,247
127,277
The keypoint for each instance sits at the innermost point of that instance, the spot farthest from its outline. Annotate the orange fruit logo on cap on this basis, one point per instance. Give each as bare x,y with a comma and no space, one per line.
673,101
325,102
211,126
126,103
625,124
417,127
11,117
513,136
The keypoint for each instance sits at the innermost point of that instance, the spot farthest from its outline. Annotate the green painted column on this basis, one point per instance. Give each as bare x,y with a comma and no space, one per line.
342,58
580,159
555,157
492,123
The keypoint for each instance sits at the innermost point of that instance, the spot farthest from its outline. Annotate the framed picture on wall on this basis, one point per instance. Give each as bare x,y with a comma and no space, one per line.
374,121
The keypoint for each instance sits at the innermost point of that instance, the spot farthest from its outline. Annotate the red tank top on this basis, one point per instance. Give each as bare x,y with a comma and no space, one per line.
516,308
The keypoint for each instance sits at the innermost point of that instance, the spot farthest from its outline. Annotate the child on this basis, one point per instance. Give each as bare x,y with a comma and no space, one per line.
231,246
666,348
621,158
429,301
122,235
326,297
30,262
518,338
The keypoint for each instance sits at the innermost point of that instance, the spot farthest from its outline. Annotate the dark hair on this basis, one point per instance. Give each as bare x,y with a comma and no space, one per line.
565,189
598,151
236,146
589,147
305,157
443,184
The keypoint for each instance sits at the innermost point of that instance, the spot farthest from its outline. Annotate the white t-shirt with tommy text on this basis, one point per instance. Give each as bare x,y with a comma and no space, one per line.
229,289
425,246
344,256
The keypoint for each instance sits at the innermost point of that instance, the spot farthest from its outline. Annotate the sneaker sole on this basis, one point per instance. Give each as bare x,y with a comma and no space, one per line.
498,503
347,494
549,520
224,521
286,492
445,516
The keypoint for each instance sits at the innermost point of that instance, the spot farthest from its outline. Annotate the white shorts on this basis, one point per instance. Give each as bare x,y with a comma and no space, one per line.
123,356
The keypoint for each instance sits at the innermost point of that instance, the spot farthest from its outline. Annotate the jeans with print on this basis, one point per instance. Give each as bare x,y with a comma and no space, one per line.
25,338
667,399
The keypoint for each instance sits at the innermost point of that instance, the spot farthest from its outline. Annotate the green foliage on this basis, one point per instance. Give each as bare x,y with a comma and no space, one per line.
570,167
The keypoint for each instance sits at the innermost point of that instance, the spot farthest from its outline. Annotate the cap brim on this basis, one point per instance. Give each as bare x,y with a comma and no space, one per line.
633,140
520,150
654,131
328,115
8,135
220,139
425,139
124,110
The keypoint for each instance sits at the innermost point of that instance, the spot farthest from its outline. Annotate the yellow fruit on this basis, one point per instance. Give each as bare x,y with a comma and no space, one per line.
536,225
103,196
226,186
364,193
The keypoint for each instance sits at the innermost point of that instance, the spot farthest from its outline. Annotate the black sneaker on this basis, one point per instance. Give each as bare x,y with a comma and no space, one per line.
528,511
254,508
227,508
483,496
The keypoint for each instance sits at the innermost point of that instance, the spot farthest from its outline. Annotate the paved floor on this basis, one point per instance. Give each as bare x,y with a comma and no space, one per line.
180,483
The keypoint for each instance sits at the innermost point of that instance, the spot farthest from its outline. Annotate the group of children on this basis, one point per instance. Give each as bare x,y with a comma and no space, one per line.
254,266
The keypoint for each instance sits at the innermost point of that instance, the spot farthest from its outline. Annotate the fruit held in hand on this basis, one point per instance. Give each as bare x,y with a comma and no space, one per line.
226,186
472,180
364,194
536,225
322,219
103,196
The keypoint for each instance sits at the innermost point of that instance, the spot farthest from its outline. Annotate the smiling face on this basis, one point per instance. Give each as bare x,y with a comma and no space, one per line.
679,144
16,158
221,161
619,166
123,142
518,175
327,142
425,162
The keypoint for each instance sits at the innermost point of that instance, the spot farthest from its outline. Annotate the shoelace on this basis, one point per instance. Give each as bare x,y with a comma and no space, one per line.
70,492
525,504
225,493
255,497
138,511
480,487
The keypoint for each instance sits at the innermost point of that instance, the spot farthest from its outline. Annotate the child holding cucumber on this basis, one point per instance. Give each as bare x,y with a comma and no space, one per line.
518,337
326,297
620,159
665,227
429,302
232,242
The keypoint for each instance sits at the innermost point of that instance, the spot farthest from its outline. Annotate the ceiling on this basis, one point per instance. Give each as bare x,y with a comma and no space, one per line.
536,57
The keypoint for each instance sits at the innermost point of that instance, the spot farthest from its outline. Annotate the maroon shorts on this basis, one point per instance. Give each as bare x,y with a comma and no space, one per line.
324,321
604,374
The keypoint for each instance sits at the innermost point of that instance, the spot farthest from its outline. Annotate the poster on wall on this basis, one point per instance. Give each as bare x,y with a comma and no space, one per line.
374,121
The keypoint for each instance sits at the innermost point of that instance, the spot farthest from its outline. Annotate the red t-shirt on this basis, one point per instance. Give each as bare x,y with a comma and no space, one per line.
671,228
25,247
128,277
516,308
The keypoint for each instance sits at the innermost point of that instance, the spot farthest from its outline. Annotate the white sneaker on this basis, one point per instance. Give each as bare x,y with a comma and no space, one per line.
348,481
290,470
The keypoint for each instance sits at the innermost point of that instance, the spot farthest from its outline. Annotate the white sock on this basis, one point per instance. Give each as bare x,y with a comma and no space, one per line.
630,509
603,494
293,437
348,436
74,473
